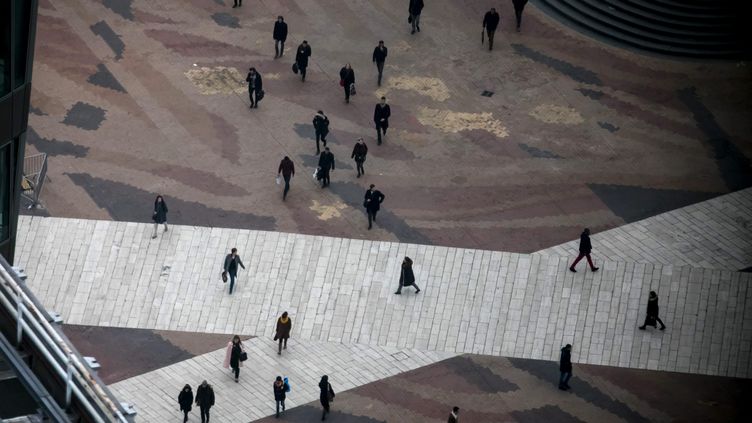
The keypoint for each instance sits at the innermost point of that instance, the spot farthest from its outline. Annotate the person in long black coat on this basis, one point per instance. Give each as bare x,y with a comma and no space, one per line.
280,393
414,8
280,36
359,153
326,396
381,118
160,214
301,58
490,23
652,315
255,86
372,203
565,367
320,128
185,399
379,57
282,333
519,6
347,78
326,165
205,400
407,277
585,249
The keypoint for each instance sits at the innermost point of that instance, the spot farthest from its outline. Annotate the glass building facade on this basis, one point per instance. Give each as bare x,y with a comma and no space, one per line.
17,30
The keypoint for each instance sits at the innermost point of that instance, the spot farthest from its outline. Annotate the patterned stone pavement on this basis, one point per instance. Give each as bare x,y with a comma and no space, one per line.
133,98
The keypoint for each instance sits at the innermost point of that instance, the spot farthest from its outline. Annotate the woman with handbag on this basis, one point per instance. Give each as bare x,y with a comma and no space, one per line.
407,277
160,215
327,395
284,326
347,81
235,356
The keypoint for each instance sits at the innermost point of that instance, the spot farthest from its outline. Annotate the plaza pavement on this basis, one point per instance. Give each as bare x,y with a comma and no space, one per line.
340,291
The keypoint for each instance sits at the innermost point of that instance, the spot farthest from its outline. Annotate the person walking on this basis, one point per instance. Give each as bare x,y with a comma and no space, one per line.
372,203
407,277
490,23
585,249
414,8
381,118
347,80
359,155
652,315
326,396
185,399
255,87
284,326
160,215
301,58
379,57
454,416
280,36
287,170
237,3
232,261
205,400
565,367
519,6
321,128
280,393
234,356
326,165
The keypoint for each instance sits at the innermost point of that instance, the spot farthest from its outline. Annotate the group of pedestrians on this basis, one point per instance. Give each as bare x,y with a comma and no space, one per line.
204,399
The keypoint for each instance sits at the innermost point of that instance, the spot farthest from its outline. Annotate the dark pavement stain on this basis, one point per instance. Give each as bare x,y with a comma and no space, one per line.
547,413
575,72
310,413
480,376
110,37
305,131
226,19
219,2
55,147
538,153
121,7
312,161
352,194
733,165
593,94
608,127
130,204
84,116
37,111
104,78
637,203
549,370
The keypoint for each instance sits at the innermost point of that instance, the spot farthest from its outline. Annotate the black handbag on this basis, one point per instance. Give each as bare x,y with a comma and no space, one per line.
243,356
224,277
409,19
295,68
260,95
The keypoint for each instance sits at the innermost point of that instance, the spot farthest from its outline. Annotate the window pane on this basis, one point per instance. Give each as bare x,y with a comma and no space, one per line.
20,39
4,47
5,179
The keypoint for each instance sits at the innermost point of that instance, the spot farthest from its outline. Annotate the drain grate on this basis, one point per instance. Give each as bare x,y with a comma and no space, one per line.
400,356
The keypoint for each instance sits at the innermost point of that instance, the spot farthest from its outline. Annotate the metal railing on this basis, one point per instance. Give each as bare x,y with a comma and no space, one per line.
32,325
34,174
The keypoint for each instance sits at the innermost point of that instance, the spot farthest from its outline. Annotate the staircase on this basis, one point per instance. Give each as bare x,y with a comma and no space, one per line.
711,29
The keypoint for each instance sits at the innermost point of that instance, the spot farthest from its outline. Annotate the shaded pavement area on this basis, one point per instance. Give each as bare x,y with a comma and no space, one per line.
496,389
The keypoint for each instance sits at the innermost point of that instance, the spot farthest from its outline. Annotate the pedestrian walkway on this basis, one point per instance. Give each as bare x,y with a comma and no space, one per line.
304,362
341,290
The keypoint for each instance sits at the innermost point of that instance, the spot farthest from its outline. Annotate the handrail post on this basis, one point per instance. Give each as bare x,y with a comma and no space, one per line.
68,382
20,317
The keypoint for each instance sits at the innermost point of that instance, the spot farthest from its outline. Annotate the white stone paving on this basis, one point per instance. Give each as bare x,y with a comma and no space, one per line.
304,362
714,234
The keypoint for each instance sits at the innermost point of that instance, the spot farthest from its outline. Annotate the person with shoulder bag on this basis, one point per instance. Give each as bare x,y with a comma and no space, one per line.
284,327
407,277
232,261
235,355
347,81
326,396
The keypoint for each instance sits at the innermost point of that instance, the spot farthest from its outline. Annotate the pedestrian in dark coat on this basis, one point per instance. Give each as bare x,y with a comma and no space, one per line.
160,214
233,361
652,315
585,249
326,396
565,367
301,58
232,261
347,80
381,118
185,399
372,203
255,86
379,57
454,416
280,36
237,3
326,165
321,128
490,23
284,326
280,393
359,155
407,277
414,8
205,400
287,170
519,6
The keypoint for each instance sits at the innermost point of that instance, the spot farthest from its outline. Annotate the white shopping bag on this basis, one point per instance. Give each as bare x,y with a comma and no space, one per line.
278,179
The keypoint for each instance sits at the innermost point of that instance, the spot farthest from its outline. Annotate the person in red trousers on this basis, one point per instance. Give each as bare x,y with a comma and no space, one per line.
585,248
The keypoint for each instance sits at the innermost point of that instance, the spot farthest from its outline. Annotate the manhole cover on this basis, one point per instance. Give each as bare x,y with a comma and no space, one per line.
400,355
